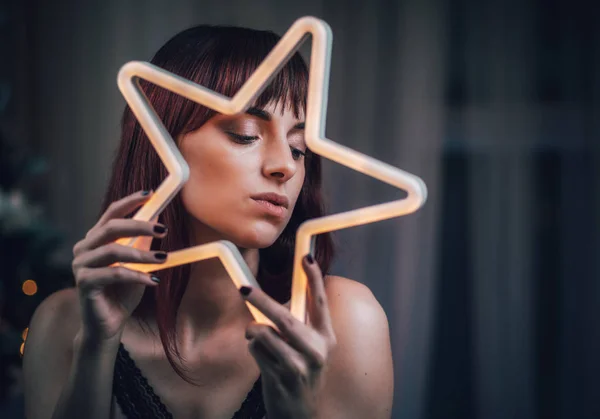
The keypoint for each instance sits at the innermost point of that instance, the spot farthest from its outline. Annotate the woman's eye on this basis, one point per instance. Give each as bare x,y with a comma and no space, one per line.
243,139
297,154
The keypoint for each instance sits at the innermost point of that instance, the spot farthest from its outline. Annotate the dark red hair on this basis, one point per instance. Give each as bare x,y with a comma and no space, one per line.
220,58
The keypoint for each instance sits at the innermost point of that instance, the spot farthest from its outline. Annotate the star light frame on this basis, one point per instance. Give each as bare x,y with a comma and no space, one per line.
316,111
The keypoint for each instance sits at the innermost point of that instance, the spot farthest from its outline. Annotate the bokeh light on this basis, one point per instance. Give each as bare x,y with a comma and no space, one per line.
29,287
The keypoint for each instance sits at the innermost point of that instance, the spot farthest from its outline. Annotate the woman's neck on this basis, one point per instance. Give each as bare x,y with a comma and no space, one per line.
211,301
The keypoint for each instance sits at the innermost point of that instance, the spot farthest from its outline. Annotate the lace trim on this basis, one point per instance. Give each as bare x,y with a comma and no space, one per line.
137,398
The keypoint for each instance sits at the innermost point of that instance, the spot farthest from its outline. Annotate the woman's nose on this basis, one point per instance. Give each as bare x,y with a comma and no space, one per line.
279,162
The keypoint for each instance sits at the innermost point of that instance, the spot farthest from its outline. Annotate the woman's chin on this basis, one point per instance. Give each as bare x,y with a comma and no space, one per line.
256,236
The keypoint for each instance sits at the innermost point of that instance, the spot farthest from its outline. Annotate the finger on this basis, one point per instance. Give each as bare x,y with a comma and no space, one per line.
96,278
267,362
285,379
117,228
304,339
124,206
145,242
318,309
113,253
289,360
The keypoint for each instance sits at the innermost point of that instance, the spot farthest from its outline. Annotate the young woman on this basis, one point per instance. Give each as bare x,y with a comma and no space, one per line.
123,344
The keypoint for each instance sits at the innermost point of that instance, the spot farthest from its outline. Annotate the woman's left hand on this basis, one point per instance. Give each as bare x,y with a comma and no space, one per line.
292,360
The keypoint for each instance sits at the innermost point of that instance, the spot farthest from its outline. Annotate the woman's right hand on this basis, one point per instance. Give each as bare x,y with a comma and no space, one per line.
108,293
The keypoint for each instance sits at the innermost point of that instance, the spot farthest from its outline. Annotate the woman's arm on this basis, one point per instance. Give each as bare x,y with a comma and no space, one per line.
74,335
359,381
66,374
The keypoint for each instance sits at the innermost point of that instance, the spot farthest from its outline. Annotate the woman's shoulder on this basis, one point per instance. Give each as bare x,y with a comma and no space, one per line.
355,311
49,351
58,316
343,284
61,303
350,295
360,370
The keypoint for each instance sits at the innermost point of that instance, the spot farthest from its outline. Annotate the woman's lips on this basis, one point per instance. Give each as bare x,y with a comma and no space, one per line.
271,208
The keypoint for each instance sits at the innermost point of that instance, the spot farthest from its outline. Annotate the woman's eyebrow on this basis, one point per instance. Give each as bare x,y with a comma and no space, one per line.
266,116
259,113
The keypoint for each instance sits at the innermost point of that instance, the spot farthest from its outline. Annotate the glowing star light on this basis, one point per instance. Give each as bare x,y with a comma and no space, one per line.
178,169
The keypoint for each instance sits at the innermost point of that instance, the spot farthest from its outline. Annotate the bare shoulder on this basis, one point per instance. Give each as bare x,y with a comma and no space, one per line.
52,329
57,316
353,303
64,301
360,380
49,351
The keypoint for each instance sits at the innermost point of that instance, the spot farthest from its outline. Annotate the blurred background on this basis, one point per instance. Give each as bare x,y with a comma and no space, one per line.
492,290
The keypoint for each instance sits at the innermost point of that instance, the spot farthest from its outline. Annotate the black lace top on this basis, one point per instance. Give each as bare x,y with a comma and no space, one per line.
137,399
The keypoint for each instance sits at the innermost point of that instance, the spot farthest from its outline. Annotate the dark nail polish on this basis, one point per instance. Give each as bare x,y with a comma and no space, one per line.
145,193
155,279
310,259
160,255
245,291
160,229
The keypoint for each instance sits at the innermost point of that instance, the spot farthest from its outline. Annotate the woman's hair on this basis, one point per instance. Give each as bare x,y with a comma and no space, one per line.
220,58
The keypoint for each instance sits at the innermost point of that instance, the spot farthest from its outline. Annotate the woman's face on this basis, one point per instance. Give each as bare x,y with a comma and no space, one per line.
246,172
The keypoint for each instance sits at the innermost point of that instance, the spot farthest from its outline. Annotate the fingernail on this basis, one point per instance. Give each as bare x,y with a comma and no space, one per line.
310,259
145,193
160,255
155,279
245,291
160,229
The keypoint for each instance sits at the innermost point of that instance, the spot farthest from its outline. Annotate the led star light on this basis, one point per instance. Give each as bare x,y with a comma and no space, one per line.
178,169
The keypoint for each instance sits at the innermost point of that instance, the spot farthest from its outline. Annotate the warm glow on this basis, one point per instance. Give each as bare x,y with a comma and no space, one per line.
24,334
316,110
229,255
29,287
22,348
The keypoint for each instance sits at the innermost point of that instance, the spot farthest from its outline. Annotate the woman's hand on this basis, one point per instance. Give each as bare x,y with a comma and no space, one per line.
109,293
293,360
